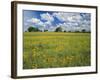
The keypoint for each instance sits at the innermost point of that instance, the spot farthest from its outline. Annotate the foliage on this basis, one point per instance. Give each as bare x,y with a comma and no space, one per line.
58,29
83,30
32,29
65,31
77,31
45,30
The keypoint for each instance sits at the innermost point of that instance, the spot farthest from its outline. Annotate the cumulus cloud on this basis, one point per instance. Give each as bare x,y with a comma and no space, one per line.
34,20
47,17
48,23
40,24
36,23
69,21
74,21
67,17
86,16
64,26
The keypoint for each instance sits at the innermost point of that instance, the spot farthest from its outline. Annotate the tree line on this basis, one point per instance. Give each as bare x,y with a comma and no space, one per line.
58,29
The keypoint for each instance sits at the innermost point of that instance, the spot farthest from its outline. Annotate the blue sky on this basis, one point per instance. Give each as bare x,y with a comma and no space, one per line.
48,20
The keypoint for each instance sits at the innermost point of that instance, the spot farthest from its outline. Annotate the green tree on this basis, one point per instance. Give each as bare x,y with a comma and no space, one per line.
64,30
32,29
45,30
83,30
77,31
59,29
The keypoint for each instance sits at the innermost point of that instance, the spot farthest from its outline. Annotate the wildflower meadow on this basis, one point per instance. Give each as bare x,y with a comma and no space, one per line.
56,49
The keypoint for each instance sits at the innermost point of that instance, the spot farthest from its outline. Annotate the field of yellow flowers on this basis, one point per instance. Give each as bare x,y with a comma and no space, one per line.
56,49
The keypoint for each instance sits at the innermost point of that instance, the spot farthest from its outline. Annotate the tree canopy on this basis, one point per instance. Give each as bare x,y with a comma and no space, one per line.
83,30
59,29
32,29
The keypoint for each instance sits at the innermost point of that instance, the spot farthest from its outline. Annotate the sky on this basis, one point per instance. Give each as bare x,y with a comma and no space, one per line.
49,20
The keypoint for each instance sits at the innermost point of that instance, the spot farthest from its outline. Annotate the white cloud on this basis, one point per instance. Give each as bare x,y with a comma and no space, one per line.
73,21
34,20
64,26
67,17
40,24
69,21
48,23
37,23
59,16
47,17
69,27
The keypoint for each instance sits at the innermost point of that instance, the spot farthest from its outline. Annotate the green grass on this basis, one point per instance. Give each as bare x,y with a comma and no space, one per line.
56,49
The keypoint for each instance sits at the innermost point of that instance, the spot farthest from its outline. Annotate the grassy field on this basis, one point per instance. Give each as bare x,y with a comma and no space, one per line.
56,49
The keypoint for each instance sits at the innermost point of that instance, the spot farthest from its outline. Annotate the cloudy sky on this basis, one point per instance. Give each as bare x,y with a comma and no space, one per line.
48,20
